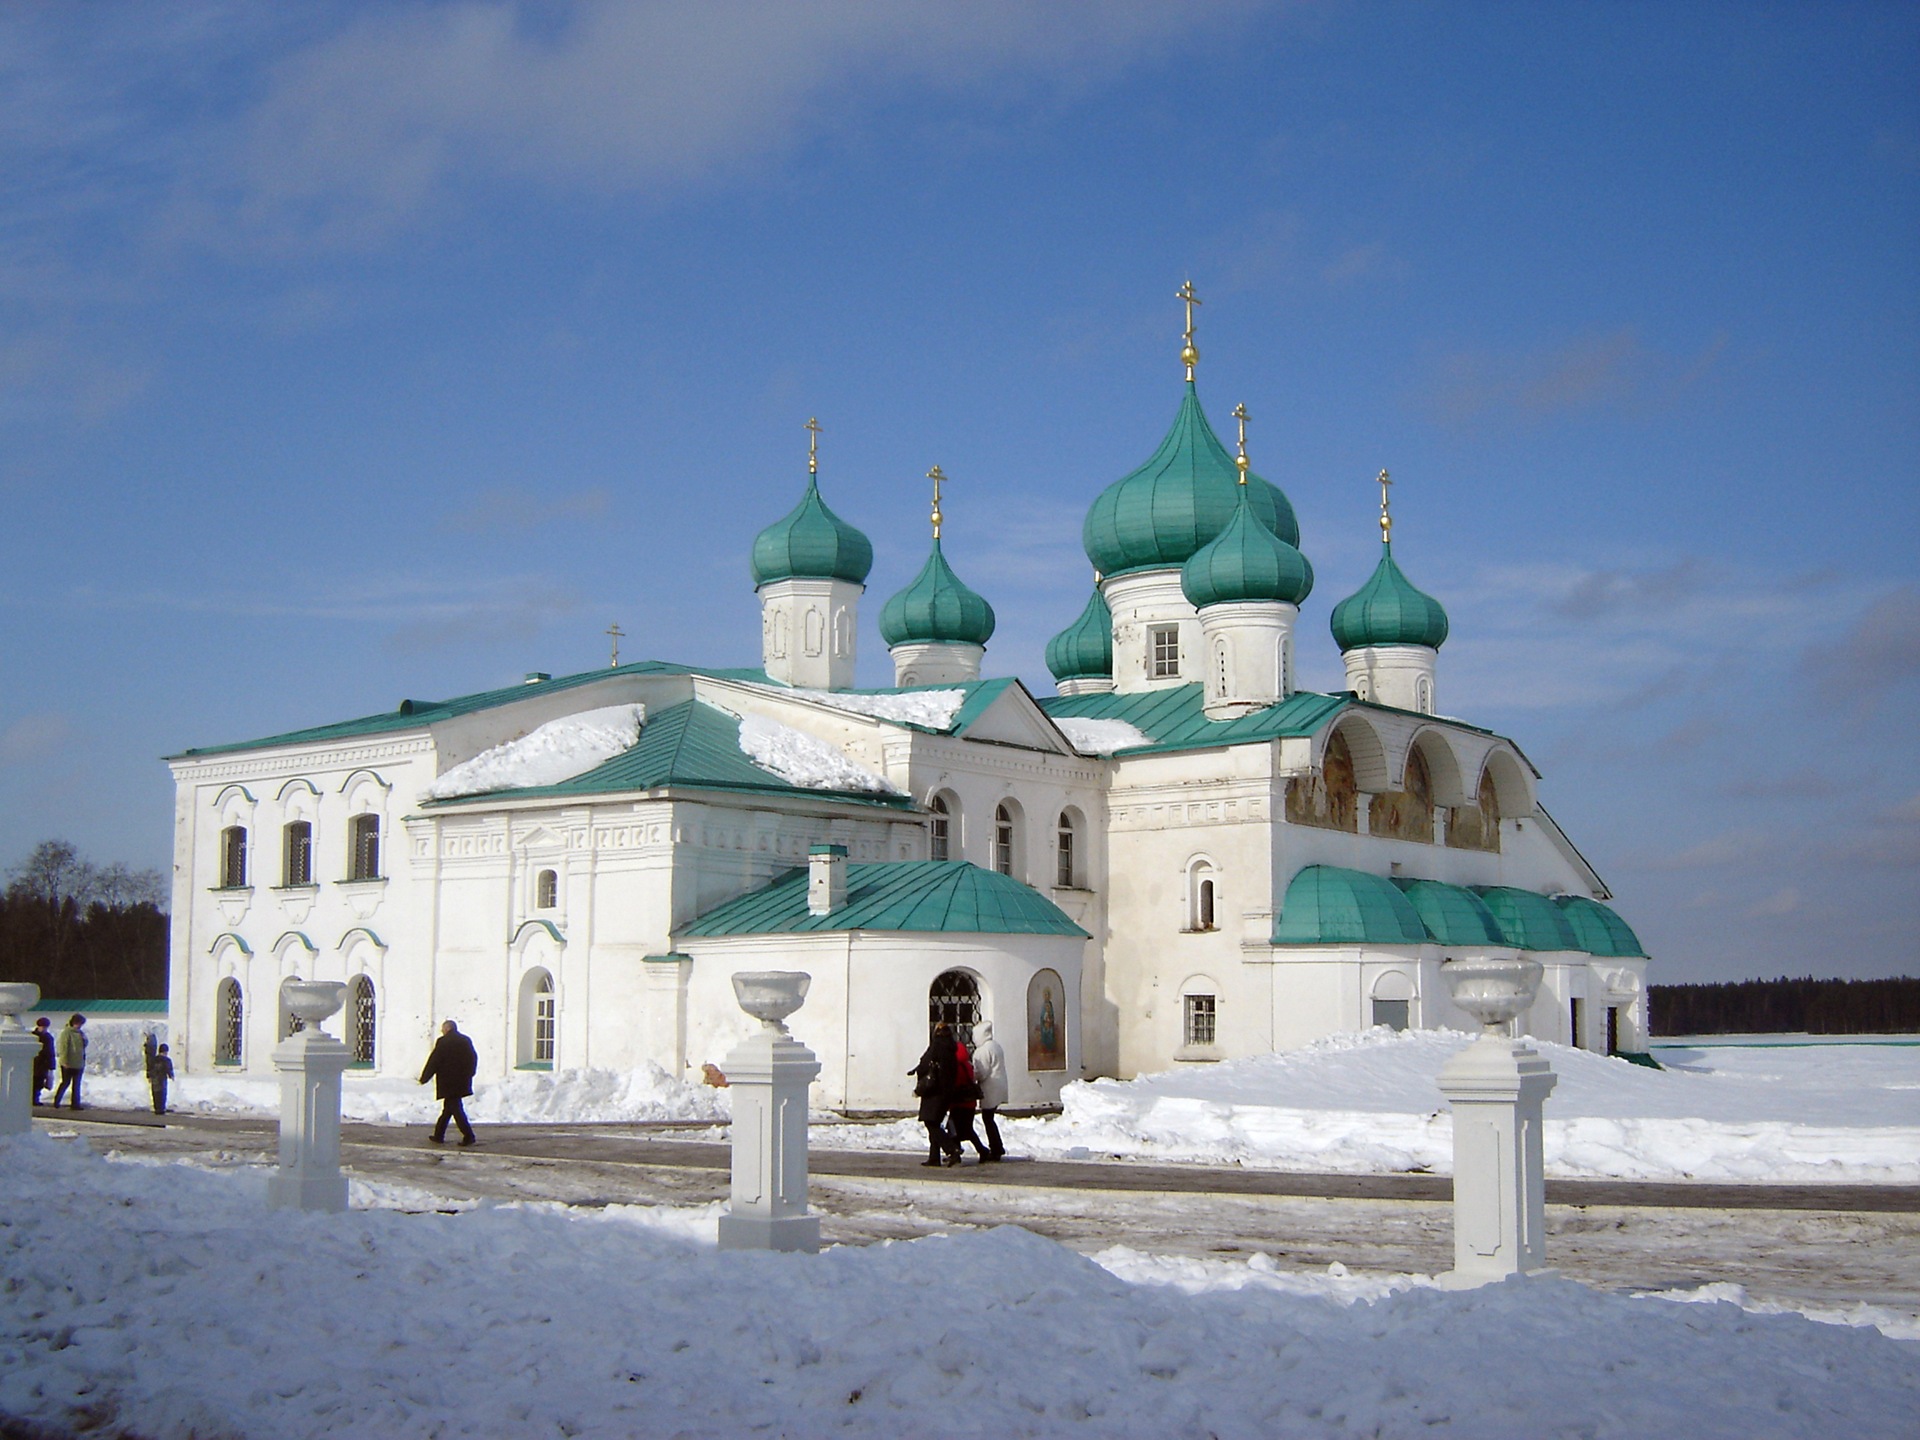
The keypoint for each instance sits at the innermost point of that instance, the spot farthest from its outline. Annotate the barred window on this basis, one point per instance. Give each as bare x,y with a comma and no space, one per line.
1202,1015
233,857
363,861
228,1019
361,1026
298,869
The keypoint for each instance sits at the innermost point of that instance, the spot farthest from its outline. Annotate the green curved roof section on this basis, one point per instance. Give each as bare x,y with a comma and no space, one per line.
1084,650
936,608
1598,929
1245,561
929,896
1330,905
1452,914
1388,610
1156,517
690,745
1528,921
811,542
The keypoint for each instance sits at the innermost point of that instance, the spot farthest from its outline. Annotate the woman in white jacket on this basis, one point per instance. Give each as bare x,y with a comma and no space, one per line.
990,1070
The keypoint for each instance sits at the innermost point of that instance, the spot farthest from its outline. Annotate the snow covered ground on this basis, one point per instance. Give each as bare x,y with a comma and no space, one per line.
165,1300
1353,1103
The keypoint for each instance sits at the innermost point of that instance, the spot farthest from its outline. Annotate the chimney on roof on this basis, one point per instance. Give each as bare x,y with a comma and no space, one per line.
826,878
537,677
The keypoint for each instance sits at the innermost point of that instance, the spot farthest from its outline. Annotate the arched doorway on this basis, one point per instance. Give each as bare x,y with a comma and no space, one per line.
955,998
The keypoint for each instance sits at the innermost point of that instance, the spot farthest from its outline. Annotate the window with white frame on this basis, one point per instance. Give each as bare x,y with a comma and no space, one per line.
233,857
1003,839
1066,860
940,838
1201,1019
546,890
539,1028
545,1022
297,853
1163,651
363,856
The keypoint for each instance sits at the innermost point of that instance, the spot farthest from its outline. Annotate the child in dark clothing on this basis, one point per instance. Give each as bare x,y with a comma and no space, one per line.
159,1072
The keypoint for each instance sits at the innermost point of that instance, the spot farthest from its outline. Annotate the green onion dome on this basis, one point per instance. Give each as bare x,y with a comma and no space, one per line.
1387,610
1084,650
1246,561
811,542
1155,518
935,609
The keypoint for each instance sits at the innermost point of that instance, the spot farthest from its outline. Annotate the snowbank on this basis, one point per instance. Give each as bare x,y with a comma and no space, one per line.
1368,1103
167,1301
556,751
1100,737
934,709
800,759
647,1093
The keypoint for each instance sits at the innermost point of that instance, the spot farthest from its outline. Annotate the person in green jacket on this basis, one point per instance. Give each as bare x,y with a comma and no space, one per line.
71,1050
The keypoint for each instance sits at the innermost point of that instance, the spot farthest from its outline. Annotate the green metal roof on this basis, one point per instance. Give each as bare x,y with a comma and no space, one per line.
100,1007
1329,905
1528,921
1174,717
418,714
1245,561
1084,650
1452,915
690,745
1388,610
811,541
1598,929
950,896
936,607
1180,499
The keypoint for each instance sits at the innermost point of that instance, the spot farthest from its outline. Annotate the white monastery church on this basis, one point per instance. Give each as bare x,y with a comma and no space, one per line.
1177,858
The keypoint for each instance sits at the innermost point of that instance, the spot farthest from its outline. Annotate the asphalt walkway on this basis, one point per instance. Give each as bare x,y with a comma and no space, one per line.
663,1146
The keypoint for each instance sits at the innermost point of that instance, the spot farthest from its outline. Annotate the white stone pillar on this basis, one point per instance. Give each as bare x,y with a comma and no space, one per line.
768,1076
1498,1089
17,1049
310,1063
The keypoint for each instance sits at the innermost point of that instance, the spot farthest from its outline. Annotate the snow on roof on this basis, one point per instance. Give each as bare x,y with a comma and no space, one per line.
556,751
1100,737
933,709
800,759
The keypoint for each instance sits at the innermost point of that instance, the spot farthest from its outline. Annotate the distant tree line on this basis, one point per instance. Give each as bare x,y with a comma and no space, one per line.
1765,1007
82,931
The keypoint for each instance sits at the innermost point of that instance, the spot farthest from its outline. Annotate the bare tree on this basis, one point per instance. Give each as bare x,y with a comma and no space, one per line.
54,873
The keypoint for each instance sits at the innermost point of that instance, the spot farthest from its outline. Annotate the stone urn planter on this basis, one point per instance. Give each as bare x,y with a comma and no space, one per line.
16,996
312,1001
771,995
1492,989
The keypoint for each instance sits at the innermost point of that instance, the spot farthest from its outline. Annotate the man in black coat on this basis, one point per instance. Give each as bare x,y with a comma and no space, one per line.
451,1067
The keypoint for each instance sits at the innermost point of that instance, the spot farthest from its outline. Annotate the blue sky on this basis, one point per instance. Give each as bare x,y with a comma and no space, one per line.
356,352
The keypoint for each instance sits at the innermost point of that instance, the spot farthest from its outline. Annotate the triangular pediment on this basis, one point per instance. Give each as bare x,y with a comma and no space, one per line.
1013,717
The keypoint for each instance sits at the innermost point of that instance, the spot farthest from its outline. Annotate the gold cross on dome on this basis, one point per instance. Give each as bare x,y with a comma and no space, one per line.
1188,354
1240,460
939,479
616,632
812,427
1386,519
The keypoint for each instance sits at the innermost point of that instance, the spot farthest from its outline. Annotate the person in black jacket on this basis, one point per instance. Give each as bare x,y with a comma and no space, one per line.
42,1061
933,1082
451,1067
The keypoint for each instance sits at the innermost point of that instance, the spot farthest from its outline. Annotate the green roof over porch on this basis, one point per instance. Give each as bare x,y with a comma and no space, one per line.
941,896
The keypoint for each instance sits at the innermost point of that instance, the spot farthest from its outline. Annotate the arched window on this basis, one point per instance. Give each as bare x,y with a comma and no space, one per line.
1066,869
546,890
1201,894
941,836
539,1021
954,998
360,1019
227,1022
290,1023
233,857
363,859
1393,1000
1004,835
297,852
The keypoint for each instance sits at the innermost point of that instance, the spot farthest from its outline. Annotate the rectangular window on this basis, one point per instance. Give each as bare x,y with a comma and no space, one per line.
299,866
364,861
1201,1018
543,1028
1163,651
233,857
1391,1013
1063,871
